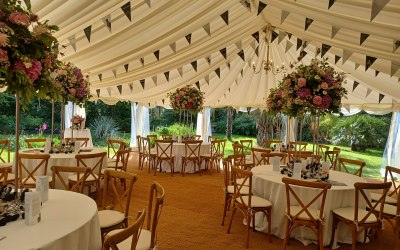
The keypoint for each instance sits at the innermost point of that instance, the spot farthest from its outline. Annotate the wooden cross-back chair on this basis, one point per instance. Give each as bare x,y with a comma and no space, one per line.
257,154
211,138
215,155
331,156
27,175
126,238
148,154
113,146
301,211
292,154
267,156
78,186
4,174
249,204
268,143
247,145
298,145
192,154
322,150
83,140
140,150
116,201
239,148
196,137
361,218
5,148
38,142
346,163
164,154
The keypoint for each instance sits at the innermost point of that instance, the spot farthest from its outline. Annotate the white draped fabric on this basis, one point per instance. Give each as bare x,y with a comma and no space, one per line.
288,130
76,111
140,122
391,155
203,127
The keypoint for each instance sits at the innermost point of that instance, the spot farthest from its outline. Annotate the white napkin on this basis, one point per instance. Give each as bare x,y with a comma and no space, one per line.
278,147
297,170
32,208
276,161
42,186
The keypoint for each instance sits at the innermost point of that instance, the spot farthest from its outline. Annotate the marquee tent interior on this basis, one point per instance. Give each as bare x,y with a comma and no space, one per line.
139,51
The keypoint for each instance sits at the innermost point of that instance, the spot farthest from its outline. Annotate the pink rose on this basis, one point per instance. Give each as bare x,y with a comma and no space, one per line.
317,100
324,85
33,71
279,94
19,18
3,56
301,82
280,103
288,82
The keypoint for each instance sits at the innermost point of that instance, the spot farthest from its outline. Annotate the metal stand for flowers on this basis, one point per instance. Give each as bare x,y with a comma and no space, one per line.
16,156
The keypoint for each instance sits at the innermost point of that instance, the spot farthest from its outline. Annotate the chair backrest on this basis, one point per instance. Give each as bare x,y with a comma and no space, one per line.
237,148
211,138
266,157
218,148
117,198
293,155
268,143
346,163
83,140
336,149
391,175
362,194
156,202
152,140
113,146
258,158
236,160
5,147
111,240
139,143
197,137
39,167
164,148
247,145
192,149
35,142
322,149
81,172
305,203
146,146
298,145
3,175
122,159
331,156
242,180
93,161
166,137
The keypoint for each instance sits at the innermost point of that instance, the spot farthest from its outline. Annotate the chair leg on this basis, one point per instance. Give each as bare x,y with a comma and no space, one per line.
225,208
248,221
354,237
287,234
334,226
171,163
269,213
230,221
320,236
182,166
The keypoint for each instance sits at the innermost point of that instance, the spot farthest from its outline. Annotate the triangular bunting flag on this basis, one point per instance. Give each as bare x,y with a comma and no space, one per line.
256,36
88,32
180,71
394,68
289,45
166,74
241,54
256,50
377,6
126,8
369,60
218,72
337,58
194,65
274,35
98,93
142,61
207,28
109,91
356,65
142,82
363,37
334,31
346,55
289,35
119,87
72,41
261,7
163,101
208,59
317,51
157,54
223,52
207,78
154,78
282,35
229,90
148,2
303,53
376,73
368,92
228,64
173,46
107,22
331,2
381,96
198,85
131,87
307,23
355,84
189,38
100,77
225,17
284,15
325,48
299,43
396,45
126,66
241,72
246,4
114,72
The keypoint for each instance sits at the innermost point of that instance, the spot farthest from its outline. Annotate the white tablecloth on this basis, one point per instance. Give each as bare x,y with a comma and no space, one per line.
268,184
81,133
69,221
178,150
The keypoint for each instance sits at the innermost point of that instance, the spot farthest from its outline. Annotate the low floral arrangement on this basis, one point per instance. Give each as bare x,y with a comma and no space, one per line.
28,50
187,98
74,86
315,88
77,121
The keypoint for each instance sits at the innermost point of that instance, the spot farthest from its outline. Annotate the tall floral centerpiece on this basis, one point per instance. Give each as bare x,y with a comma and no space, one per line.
27,52
186,100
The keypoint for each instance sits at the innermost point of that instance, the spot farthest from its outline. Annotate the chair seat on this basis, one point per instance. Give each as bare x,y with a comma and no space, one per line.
387,209
108,218
74,178
348,214
304,216
30,180
5,164
388,199
255,201
143,242
244,191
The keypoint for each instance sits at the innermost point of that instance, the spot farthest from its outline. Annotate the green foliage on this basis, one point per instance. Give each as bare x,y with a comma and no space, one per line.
177,129
326,125
120,113
102,128
244,124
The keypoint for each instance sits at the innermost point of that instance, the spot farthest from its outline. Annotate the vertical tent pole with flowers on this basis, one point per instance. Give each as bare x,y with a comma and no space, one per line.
27,49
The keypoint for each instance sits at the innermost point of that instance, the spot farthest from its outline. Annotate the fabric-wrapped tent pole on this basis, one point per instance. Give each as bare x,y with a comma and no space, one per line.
140,122
391,155
203,127
70,111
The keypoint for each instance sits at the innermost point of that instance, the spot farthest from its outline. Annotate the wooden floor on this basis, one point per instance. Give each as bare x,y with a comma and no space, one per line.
192,214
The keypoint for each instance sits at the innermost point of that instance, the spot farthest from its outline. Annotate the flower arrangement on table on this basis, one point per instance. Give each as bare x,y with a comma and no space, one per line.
74,86
315,88
27,52
186,99
77,122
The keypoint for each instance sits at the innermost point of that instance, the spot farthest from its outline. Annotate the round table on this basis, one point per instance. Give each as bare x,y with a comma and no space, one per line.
69,221
268,184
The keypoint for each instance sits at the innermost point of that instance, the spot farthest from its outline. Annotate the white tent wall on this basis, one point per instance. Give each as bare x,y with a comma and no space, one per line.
140,122
391,155
203,127
71,110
